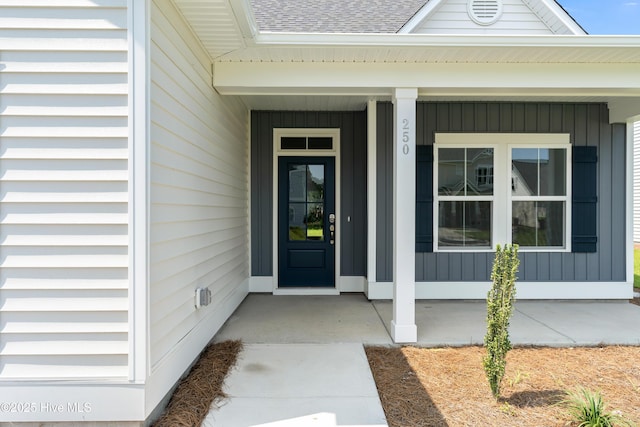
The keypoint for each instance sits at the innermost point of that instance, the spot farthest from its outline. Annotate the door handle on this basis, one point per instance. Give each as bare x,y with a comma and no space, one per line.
332,228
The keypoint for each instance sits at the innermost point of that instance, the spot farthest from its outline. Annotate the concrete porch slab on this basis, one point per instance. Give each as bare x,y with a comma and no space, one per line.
587,323
459,323
543,323
283,319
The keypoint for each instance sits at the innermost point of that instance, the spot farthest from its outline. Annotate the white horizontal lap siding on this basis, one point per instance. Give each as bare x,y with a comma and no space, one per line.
452,18
63,189
636,182
199,225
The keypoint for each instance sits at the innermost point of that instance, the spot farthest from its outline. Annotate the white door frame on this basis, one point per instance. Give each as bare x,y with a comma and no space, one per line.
278,133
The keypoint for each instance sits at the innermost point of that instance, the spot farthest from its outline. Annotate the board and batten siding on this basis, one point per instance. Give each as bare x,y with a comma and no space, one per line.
353,184
636,182
587,125
517,18
199,188
63,189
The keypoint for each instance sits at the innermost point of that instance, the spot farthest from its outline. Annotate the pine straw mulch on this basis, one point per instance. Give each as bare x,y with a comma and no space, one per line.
202,387
448,387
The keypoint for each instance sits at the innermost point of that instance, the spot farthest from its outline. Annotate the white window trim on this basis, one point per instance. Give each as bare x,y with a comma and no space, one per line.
501,210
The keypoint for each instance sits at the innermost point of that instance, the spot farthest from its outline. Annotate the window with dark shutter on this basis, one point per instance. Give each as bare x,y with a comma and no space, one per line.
585,199
424,198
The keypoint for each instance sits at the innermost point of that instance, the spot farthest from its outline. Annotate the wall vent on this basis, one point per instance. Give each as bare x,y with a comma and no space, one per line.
484,12
203,297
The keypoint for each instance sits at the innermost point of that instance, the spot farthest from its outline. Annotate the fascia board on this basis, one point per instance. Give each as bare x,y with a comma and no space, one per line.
564,16
371,78
420,16
245,19
265,39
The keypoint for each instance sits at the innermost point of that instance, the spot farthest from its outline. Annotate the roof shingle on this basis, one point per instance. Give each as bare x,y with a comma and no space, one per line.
334,16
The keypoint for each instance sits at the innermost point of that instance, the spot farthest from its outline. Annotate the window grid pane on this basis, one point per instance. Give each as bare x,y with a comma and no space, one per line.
538,223
538,172
464,224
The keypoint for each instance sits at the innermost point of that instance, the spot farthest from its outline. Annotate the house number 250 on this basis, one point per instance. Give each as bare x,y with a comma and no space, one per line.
405,136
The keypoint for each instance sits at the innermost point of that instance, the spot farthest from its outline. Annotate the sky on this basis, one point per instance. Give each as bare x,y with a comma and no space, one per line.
605,16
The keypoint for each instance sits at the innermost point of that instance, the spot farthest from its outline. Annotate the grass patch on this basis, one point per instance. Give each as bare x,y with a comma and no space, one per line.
636,269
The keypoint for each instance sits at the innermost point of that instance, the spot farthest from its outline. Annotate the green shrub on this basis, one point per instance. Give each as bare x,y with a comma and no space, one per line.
587,409
499,310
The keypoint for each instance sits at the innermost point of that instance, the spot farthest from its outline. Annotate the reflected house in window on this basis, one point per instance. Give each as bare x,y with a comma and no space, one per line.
538,178
465,173
522,173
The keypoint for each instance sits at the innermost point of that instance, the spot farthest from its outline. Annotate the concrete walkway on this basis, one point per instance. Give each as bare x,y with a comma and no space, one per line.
304,363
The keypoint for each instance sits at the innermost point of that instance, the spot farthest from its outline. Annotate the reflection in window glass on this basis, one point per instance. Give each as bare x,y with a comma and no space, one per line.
538,223
539,172
465,171
553,175
315,183
479,177
451,171
297,182
315,226
524,170
464,224
297,226
306,202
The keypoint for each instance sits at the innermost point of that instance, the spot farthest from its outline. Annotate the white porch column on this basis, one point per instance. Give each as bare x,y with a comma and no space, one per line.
630,196
372,201
403,325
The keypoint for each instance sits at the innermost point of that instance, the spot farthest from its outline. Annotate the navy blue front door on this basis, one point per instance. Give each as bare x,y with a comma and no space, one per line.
306,221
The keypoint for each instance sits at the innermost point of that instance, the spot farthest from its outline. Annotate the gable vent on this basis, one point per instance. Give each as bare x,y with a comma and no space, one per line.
484,12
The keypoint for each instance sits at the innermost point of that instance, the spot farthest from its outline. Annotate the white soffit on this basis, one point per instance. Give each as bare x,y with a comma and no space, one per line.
215,24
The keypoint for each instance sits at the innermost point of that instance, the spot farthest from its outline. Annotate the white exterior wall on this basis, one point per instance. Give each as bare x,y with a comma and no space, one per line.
199,196
636,182
63,190
451,18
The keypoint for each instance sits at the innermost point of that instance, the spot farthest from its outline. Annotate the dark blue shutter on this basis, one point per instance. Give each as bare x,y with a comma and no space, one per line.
424,198
585,199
